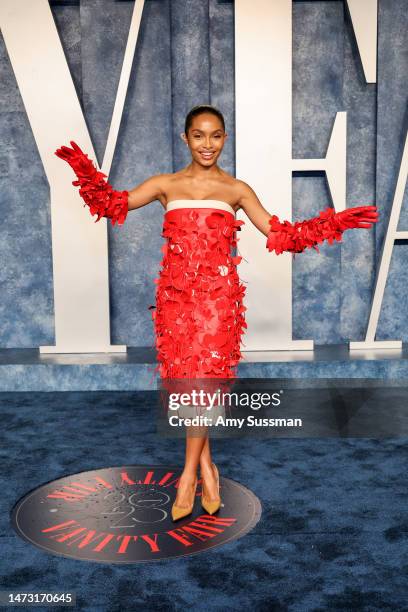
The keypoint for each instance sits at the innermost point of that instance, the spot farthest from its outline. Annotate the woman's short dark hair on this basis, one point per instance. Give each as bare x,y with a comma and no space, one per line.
198,110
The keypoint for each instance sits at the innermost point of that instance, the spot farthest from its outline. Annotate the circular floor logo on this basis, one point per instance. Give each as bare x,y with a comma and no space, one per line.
123,515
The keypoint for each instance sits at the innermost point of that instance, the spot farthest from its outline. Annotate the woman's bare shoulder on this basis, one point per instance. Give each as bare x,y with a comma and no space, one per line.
238,185
241,192
169,178
168,181
242,187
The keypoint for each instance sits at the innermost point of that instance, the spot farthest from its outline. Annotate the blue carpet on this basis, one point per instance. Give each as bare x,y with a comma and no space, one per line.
332,536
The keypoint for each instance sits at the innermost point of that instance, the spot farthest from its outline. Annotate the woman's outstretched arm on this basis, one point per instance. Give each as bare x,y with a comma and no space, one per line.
99,195
296,237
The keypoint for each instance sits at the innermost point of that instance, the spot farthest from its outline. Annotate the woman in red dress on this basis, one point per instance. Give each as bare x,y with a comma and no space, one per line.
199,313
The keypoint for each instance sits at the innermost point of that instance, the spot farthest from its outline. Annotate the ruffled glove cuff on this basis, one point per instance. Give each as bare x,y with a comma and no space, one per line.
96,192
329,225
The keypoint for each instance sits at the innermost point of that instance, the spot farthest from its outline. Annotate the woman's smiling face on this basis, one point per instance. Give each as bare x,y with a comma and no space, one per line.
205,138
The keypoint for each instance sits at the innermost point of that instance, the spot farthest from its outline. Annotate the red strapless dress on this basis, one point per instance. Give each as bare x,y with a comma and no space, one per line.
199,313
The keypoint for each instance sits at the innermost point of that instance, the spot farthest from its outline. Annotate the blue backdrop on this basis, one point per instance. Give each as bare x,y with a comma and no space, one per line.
185,56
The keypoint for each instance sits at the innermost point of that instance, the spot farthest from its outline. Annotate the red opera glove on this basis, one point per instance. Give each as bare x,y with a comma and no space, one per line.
96,192
329,226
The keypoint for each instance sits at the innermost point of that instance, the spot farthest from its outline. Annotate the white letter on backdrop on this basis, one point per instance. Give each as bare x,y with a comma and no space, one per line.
263,82
382,273
79,246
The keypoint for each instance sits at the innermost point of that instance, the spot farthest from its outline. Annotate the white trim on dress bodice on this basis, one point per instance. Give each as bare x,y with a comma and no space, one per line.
174,204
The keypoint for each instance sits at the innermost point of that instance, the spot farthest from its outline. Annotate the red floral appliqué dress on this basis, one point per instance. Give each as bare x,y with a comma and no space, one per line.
199,313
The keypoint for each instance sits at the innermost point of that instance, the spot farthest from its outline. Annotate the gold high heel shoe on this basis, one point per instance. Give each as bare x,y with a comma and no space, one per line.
211,506
177,512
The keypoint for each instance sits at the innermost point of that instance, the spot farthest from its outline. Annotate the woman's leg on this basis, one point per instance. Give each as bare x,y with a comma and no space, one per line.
207,471
195,440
